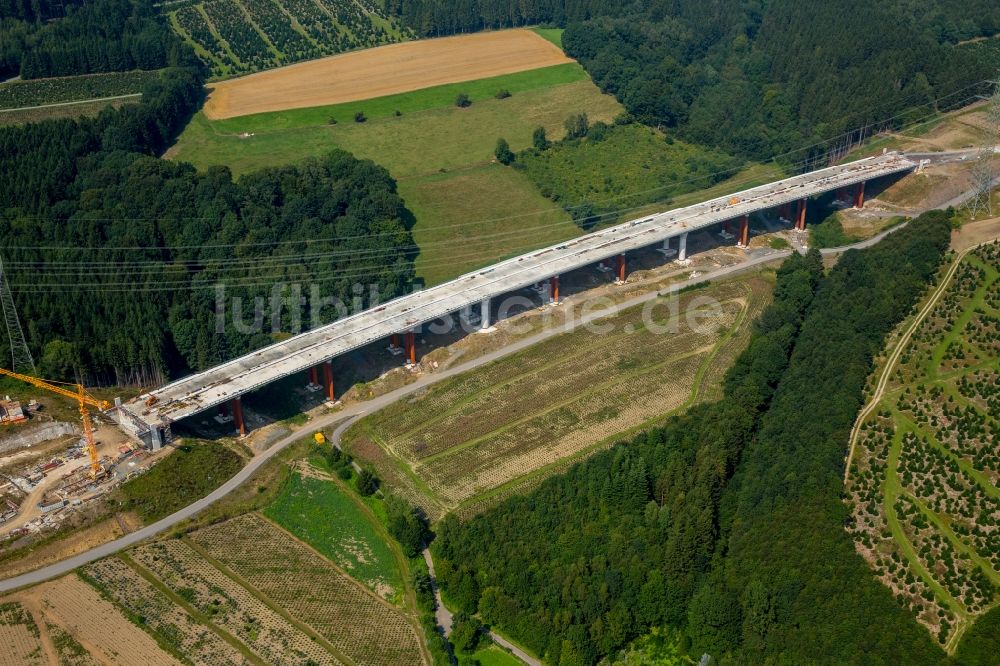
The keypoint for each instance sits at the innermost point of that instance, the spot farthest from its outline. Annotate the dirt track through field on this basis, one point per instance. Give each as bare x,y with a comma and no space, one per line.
381,71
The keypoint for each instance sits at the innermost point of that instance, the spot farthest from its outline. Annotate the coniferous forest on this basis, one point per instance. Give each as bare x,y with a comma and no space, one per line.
727,521
43,38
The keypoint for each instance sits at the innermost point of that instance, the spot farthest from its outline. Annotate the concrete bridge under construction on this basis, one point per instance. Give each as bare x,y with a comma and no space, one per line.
149,416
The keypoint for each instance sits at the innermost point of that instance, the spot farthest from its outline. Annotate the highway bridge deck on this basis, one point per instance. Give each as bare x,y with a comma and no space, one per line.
198,392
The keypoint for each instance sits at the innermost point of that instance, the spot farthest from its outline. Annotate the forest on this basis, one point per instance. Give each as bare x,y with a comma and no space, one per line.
43,39
597,556
114,255
724,522
763,78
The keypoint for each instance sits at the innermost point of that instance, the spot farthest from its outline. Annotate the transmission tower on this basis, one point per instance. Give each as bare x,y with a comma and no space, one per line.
982,170
21,355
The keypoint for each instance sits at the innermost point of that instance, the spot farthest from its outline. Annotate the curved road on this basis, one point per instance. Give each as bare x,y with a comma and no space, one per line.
355,411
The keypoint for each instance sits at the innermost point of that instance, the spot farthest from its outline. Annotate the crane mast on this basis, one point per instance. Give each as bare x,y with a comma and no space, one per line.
83,399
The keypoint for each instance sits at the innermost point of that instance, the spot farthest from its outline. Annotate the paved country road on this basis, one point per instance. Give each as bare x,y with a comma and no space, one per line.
352,412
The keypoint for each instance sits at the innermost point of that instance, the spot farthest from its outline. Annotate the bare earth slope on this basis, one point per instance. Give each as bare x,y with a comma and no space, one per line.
383,71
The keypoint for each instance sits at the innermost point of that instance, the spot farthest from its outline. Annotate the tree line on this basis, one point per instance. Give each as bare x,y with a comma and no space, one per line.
725,522
45,39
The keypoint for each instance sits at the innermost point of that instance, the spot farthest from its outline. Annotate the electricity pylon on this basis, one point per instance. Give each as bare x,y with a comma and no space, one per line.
20,354
982,170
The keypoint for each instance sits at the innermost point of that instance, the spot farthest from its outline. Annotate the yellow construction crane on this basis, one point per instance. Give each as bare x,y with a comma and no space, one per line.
76,392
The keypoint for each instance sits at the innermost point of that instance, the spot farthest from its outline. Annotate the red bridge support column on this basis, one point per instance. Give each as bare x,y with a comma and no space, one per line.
237,407
411,348
800,216
744,237
621,267
859,195
313,376
328,380
554,289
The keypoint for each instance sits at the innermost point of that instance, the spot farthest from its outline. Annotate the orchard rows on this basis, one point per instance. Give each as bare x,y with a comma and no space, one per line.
241,36
923,487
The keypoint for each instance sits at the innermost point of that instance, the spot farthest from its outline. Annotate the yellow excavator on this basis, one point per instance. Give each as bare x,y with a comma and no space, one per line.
76,392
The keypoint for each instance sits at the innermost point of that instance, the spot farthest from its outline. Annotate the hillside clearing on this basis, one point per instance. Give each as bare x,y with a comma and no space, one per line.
477,437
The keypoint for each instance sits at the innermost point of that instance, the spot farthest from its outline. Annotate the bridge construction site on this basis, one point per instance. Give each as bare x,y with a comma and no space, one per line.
149,416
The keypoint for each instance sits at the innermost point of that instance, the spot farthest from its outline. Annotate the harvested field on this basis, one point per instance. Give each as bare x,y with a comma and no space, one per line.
97,624
365,628
474,436
231,607
385,70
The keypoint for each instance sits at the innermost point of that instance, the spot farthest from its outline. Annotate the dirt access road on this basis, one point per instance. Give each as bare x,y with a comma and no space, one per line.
385,70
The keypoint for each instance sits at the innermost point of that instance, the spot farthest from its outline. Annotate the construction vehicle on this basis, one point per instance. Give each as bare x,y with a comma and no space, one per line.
76,392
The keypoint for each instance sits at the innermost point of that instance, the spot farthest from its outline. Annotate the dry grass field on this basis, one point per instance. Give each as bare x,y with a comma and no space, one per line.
381,71
468,439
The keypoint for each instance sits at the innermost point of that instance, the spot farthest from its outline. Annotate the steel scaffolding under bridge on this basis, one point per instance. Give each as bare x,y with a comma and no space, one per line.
150,415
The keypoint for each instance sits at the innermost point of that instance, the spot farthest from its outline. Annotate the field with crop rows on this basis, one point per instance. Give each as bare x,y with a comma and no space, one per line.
244,591
75,615
229,606
469,437
923,483
315,510
37,92
167,622
241,36
20,642
365,628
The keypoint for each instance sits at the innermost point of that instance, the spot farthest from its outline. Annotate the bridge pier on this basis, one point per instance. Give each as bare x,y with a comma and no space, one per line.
484,314
800,215
411,348
859,195
313,376
554,290
744,235
621,269
328,380
237,407
682,250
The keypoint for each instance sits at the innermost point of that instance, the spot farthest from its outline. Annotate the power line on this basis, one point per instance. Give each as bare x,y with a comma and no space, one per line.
775,158
295,261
